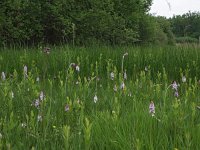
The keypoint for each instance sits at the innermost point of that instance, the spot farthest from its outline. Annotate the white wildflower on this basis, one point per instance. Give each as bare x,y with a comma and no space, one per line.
125,54
3,76
77,68
184,79
72,65
41,95
47,50
112,75
12,94
37,79
23,125
25,71
95,99
39,118
130,95
122,86
146,68
115,88
113,112
125,75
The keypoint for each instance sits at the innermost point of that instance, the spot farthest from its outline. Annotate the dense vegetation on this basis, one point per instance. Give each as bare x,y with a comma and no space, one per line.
90,97
84,98
89,22
79,22
186,27
71,21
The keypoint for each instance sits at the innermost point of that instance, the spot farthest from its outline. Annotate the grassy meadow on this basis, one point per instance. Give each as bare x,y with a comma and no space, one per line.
99,97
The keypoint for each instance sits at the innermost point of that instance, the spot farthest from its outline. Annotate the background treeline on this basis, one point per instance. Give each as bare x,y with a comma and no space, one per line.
81,22
186,27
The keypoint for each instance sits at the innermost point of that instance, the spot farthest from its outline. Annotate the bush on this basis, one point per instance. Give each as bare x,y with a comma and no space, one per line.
186,39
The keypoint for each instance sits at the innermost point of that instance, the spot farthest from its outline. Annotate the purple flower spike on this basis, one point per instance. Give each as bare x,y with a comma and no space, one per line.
176,94
66,108
152,108
37,103
174,86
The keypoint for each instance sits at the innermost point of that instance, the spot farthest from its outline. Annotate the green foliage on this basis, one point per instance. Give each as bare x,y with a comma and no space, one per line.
186,25
186,39
166,29
20,22
76,22
88,22
156,30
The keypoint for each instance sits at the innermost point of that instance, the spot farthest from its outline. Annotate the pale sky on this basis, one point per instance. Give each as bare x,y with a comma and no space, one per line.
169,8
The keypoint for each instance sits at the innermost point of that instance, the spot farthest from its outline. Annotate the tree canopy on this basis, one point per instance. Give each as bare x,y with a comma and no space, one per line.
83,22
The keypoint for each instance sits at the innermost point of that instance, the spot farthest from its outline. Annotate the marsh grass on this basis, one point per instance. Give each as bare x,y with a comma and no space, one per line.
118,120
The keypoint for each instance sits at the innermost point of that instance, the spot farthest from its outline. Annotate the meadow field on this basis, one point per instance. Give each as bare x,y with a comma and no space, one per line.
100,98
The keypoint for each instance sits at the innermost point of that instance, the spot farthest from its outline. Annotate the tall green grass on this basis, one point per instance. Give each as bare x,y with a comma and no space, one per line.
118,120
